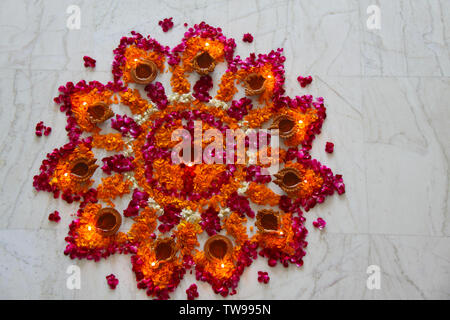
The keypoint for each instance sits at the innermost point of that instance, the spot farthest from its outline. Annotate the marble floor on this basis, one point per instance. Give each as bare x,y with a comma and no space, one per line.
387,92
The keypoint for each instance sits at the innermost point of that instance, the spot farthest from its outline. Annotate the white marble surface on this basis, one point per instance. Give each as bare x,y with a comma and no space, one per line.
387,92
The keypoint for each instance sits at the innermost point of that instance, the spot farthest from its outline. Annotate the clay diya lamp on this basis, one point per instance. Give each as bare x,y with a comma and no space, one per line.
82,169
99,112
268,221
254,84
218,247
164,249
285,124
144,72
289,180
108,221
203,63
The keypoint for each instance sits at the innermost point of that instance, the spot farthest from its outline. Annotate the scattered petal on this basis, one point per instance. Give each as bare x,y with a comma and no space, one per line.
329,147
89,62
247,38
54,216
263,277
192,292
319,223
112,281
304,81
166,24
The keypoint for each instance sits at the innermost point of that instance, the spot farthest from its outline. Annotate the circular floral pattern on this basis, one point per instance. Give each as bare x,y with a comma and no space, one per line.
174,207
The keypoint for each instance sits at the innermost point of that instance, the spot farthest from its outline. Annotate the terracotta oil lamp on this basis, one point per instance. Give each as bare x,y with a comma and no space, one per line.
99,112
164,249
108,221
285,124
144,72
204,63
218,247
82,169
289,179
254,84
268,221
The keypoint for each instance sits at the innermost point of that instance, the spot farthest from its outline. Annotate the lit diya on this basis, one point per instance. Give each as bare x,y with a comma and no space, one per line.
268,221
82,169
289,179
164,249
218,247
254,84
204,63
144,72
99,112
108,221
285,124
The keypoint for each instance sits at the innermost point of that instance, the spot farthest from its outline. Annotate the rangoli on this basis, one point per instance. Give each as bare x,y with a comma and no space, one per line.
192,216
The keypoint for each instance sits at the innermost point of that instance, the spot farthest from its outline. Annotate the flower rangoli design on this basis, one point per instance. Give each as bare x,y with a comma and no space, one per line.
186,218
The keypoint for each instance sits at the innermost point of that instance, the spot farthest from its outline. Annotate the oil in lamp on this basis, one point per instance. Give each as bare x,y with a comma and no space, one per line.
218,247
99,112
254,84
204,63
144,72
285,124
289,179
164,249
82,169
268,221
108,221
